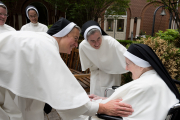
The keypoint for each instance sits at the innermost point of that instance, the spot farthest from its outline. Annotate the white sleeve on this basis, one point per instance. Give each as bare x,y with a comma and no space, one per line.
45,28
89,109
22,28
85,62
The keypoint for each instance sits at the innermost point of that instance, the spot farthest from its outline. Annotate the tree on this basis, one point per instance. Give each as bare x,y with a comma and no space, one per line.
12,4
172,7
81,11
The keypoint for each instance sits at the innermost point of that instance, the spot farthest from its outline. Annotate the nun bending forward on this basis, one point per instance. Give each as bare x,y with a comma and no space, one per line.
33,72
3,18
32,14
103,55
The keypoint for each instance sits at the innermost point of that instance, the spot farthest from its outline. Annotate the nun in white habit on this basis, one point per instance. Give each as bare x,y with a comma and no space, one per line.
33,72
152,92
3,18
32,14
103,55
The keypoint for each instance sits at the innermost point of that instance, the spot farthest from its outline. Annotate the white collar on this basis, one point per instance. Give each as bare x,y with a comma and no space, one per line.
34,24
148,72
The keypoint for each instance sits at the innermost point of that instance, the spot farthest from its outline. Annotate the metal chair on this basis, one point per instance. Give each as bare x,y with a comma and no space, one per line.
107,89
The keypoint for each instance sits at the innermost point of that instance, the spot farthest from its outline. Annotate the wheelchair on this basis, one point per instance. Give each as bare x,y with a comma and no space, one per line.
173,113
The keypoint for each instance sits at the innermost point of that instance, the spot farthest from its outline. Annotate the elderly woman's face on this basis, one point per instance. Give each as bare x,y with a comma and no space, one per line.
95,40
3,16
134,69
68,42
33,16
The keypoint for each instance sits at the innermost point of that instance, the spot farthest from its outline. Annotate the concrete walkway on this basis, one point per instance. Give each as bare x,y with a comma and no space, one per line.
53,115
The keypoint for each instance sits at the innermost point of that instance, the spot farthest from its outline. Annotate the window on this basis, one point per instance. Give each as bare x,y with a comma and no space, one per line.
109,26
120,25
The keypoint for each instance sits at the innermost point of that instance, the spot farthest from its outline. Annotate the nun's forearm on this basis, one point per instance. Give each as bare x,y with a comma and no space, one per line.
115,108
89,109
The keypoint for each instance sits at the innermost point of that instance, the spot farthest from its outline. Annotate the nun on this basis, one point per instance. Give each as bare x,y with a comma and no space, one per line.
32,14
103,55
3,18
152,92
33,73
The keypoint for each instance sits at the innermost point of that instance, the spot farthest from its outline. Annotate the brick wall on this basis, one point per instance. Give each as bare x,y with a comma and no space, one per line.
145,10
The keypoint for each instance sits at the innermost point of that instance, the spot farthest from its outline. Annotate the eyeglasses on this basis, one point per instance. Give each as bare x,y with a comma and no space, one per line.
5,15
33,16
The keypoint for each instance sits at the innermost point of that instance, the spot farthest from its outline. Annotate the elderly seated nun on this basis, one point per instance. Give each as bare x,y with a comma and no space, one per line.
103,55
152,92
3,18
32,14
33,72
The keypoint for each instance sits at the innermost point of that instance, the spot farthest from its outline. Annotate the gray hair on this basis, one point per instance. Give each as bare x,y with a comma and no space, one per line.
78,28
92,31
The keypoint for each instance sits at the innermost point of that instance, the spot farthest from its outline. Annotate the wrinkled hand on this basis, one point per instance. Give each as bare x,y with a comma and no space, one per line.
95,97
115,108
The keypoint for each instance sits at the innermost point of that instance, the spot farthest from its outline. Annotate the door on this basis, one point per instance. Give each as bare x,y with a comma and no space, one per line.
116,27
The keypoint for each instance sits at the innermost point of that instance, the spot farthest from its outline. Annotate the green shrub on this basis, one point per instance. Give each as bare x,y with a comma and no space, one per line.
49,26
124,42
127,77
171,35
167,53
177,42
147,36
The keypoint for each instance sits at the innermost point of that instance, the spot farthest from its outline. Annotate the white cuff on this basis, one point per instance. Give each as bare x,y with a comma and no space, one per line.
92,108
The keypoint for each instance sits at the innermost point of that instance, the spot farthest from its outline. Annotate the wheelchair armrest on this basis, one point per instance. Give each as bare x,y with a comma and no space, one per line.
107,117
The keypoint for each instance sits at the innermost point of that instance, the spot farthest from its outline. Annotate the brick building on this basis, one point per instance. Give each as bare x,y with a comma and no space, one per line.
139,17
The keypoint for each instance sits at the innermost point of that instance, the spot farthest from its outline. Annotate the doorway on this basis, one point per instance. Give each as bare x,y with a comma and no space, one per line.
116,27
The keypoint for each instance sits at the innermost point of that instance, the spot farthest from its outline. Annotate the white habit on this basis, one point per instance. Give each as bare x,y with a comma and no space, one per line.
33,72
148,95
6,28
37,27
106,63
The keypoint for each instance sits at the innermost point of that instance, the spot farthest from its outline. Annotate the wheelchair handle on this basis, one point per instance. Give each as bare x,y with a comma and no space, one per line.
115,87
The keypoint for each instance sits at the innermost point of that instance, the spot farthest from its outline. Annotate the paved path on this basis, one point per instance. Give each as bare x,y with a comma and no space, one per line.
53,115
